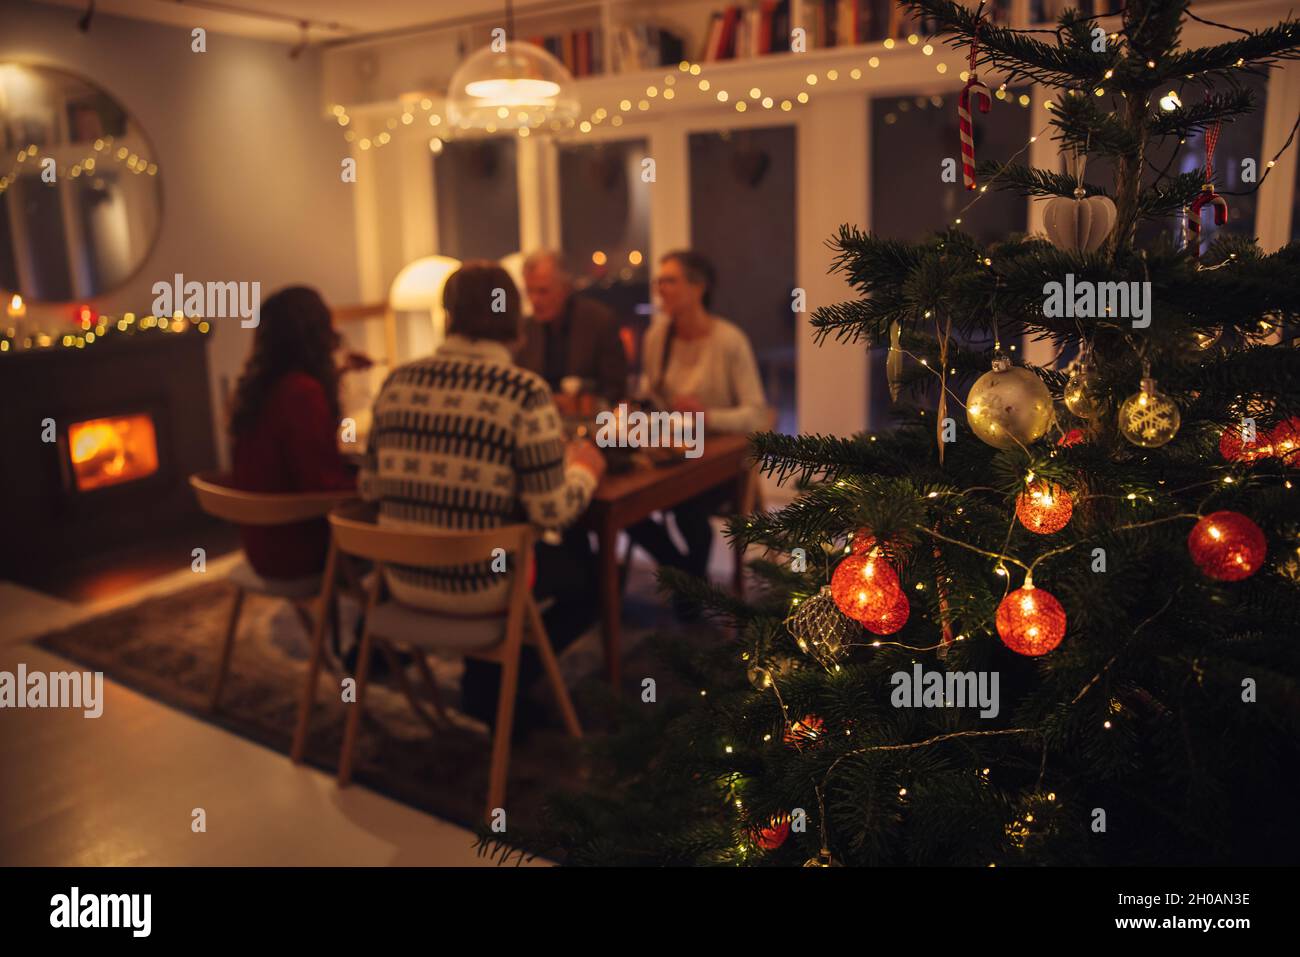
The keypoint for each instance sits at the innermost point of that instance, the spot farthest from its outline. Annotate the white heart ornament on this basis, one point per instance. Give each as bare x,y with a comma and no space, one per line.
1079,224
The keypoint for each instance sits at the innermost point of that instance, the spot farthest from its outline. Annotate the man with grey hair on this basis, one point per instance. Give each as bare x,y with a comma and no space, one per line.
570,335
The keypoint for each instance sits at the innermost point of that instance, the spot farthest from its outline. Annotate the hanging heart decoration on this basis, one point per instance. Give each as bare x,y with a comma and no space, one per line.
1080,224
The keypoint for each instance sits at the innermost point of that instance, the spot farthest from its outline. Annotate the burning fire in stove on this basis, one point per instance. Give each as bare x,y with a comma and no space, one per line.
112,451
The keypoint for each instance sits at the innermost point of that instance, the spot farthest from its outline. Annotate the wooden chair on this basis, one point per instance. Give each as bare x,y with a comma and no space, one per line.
217,498
492,638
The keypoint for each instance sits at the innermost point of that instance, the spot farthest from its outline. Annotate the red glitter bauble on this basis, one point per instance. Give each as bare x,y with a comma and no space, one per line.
1030,621
1044,508
773,836
864,587
863,542
1234,449
893,619
805,731
1227,546
1285,440
1073,437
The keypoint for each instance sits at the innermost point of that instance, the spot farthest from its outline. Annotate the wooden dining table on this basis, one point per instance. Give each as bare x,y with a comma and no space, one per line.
621,500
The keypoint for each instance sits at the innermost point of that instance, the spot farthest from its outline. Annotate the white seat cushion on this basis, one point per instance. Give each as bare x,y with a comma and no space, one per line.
434,631
293,588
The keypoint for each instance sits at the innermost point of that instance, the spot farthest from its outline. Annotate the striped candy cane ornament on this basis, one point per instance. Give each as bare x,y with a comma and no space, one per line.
1206,197
985,99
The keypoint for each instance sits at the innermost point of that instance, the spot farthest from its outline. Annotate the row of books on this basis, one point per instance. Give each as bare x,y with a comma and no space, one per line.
580,51
765,26
632,47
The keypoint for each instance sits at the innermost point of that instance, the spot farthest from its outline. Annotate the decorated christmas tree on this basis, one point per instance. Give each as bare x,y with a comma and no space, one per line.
1049,615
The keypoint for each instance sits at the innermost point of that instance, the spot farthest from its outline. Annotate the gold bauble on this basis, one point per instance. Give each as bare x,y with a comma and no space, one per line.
1008,406
1083,393
1204,338
823,859
1149,418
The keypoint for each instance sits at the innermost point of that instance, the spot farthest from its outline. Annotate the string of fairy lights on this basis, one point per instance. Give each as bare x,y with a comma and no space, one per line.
688,80
94,329
103,149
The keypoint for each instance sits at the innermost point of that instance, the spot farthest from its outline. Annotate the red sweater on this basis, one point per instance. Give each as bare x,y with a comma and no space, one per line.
292,448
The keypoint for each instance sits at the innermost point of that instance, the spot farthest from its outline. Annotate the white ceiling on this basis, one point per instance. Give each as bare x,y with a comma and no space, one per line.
277,20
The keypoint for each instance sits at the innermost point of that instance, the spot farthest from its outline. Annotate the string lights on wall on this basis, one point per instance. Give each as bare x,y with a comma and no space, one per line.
674,88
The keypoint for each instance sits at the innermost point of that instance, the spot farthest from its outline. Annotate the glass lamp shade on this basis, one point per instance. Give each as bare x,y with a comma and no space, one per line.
419,284
419,287
520,86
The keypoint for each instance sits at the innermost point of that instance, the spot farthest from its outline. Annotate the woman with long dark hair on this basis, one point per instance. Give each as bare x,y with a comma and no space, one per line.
283,421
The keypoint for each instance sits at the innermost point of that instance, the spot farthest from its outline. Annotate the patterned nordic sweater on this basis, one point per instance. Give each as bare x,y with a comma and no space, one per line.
465,439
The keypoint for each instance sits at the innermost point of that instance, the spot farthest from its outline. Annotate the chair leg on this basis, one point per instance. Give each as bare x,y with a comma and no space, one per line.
395,666
308,697
505,726
431,684
354,713
223,666
304,618
553,674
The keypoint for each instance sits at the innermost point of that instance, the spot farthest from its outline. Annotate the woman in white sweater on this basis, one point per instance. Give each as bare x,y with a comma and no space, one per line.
695,361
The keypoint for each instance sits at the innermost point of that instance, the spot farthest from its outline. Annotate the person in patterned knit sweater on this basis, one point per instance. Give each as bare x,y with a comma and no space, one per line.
464,439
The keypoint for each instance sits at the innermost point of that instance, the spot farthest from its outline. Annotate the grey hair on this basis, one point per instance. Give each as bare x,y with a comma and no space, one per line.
552,256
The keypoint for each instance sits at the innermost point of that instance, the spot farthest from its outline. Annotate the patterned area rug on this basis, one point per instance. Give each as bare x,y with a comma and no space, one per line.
167,648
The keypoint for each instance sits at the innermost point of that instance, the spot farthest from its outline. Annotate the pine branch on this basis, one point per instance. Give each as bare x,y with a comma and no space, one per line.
1198,116
1279,42
1011,51
1032,181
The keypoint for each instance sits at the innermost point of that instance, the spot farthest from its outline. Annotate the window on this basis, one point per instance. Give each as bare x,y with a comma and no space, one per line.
911,137
743,219
605,226
477,199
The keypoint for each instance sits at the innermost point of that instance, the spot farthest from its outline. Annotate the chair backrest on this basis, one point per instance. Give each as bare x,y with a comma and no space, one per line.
357,533
218,498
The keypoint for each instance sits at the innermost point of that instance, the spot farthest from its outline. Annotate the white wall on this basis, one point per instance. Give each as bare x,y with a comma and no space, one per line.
248,161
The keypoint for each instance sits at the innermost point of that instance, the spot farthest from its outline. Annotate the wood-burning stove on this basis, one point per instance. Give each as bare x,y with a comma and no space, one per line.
132,419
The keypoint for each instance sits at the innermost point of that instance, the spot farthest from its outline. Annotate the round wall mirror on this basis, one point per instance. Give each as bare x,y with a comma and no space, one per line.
80,189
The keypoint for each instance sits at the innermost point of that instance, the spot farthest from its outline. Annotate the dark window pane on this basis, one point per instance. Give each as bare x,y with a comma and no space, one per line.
910,138
478,199
605,226
743,218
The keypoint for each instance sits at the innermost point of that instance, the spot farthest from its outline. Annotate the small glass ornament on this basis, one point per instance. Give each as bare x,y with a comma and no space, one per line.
823,859
1205,338
1008,406
1149,418
1084,395
819,629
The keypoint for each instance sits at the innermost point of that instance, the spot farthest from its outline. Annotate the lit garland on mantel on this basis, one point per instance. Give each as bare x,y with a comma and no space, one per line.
667,90
96,330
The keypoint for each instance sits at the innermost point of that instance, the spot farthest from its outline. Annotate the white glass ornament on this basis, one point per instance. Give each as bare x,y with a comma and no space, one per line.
1008,406
1149,418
